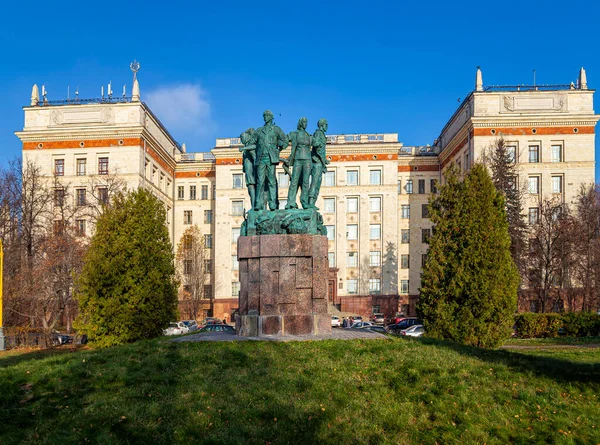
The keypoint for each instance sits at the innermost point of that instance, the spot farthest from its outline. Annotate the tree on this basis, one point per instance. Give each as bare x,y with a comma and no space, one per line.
469,283
127,289
502,162
191,269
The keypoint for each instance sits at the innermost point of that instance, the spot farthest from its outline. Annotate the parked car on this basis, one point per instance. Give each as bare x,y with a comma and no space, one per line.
191,325
377,328
335,322
378,318
210,320
217,328
61,339
414,331
173,329
361,324
357,318
404,324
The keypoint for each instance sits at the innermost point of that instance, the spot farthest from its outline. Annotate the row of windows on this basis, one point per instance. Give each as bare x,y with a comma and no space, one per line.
352,178
375,233
405,211
374,286
81,166
192,192
157,178
352,204
556,153
535,180
80,227
80,196
374,259
188,217
408,186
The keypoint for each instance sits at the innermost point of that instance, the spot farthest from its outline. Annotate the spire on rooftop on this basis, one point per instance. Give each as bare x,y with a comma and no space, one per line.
478,80
35,95
582,79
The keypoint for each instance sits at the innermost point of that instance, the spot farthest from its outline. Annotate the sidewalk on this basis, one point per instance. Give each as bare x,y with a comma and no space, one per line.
336,334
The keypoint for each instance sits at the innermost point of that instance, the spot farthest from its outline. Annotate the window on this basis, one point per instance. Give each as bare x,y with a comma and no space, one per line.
59,167
59,197
81,163
80,197
511,153
103,166
374,285
235,264
403,286
405,236
408,186
235,289
168,187
208,291
375,258
204,192
376,309
103,195
154,170
352,232
329,179
405,211
59,226
237,208
425,234
534,185
352,177
214,188
534,153
433,185
421,186
331,259
352,205
208,217
80,227
328,205
188,241
283,180
557,153
404,261
187,267
399,186
208,241
235,234
375,177
534,214
375,203
330,233
180,192
193,192
187,216
425,210
423,259
162,181
238,181
208,266
375,231
352,259
557,184
352,285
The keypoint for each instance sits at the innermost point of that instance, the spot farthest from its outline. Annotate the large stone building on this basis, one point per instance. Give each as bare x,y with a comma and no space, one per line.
374,195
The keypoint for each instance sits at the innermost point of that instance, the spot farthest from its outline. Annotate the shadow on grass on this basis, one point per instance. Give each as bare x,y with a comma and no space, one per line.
555,368
14,356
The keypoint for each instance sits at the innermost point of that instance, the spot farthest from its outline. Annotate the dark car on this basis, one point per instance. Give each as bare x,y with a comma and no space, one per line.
217,328
404,324
377,328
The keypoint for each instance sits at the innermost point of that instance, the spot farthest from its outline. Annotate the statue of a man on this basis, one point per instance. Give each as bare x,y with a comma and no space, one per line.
270,140
300,159
248,138
319,162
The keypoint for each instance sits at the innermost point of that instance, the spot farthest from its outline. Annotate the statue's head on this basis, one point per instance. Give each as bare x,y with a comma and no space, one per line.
245,136
322,124
302,123
268,116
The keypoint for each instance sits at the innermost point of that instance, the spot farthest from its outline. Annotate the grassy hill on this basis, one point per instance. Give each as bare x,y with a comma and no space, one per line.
369,391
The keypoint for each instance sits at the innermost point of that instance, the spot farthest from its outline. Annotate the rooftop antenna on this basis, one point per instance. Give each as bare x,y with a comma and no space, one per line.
68,92
77,92
110,90
124,91
134,67
44,93
534,77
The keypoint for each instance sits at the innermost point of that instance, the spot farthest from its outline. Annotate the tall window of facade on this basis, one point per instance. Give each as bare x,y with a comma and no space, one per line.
208,217
330,233
534,185
237,208
375,204
103,166
81,166
425,210
352,177
421,186
103,195
352,259
433,185
409,186
375,286
80,197
204,192
329,179
180,192
403,286
405,211
511,152
59,167
534,153
352,205
187,216
557,153
193,192
375,258
352,286
375,177
405,236
283,180
557,184
208,241
238,181
331,259
328,205
425,235
534,214
80,227
404,261
235,234
375,231
59,197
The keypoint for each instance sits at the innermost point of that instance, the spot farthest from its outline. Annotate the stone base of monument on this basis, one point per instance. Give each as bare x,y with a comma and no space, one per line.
283,285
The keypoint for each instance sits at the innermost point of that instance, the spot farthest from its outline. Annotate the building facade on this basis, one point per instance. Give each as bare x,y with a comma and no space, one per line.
373,198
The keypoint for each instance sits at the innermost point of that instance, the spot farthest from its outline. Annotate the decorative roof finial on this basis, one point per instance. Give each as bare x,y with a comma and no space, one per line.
478,80
582,79
135,92
35,96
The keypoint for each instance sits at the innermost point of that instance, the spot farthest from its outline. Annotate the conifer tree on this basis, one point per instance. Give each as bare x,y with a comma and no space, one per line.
469,283
127,289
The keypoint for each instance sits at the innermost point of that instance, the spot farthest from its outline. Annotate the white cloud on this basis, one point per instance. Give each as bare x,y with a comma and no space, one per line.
181,108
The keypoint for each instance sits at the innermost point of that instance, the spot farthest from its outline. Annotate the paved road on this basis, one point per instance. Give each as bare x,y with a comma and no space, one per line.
336,334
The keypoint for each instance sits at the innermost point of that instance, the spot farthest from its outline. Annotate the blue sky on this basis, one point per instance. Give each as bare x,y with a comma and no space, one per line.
209,69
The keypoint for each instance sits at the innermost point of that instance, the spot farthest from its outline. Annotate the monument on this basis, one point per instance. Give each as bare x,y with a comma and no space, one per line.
282,253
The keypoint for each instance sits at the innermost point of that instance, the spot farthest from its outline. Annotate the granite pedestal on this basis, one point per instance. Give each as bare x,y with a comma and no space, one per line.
283,285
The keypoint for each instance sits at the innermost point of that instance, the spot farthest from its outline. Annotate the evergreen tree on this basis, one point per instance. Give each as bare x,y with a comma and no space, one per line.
469,283
127,289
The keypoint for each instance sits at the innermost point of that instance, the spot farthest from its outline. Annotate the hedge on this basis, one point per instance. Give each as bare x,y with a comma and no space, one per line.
572,324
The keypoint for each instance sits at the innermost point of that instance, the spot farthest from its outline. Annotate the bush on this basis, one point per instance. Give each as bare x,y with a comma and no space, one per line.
573,324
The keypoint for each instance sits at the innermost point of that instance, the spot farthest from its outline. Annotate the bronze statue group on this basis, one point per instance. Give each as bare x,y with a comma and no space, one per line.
307,159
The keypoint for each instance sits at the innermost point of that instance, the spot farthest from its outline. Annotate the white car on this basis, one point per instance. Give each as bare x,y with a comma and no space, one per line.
335,322
173,329
414,331
361,324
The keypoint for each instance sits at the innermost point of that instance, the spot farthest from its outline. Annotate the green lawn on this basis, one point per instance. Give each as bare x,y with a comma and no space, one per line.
363,391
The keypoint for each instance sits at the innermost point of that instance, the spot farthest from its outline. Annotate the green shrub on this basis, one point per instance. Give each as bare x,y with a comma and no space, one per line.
581,324
572,324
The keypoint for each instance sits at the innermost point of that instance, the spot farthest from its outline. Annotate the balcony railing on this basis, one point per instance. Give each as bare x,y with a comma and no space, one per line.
423,150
